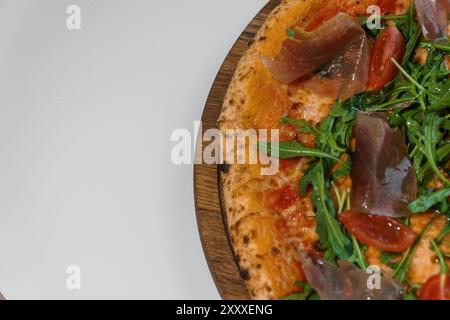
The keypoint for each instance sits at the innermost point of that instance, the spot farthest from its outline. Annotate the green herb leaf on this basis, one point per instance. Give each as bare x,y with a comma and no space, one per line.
291,33
426,140
308,291
445,232
402,269
329,228
287,150
442,263
426,202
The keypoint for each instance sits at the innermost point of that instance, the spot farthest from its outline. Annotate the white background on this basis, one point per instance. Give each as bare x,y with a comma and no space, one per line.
85,124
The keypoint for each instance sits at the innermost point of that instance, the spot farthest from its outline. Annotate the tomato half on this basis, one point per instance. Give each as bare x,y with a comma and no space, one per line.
436,288
380,232
390,44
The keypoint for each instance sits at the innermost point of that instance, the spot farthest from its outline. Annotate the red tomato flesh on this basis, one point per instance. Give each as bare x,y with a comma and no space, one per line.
384,233
324,15
281,199
436,288
388,6
390,44
331,8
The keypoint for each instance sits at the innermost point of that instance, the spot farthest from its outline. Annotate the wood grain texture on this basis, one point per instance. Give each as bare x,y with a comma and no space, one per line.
211,218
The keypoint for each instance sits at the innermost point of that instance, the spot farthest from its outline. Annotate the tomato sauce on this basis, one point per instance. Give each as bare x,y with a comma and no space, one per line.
288,132
287,165
324,15
332,9
388,6
281,199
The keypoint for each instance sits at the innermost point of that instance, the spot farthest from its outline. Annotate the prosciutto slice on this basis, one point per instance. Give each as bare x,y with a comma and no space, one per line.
346,281
339,48
384,181
432,15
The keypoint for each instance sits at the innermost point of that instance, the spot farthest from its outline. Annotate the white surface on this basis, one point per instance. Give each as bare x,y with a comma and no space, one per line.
85,124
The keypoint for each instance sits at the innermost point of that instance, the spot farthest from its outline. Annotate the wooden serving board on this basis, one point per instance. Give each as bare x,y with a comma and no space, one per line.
207,190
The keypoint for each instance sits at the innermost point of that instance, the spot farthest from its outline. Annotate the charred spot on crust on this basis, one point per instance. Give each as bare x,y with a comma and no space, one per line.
246,239
225,168
275,250
244,274
250,43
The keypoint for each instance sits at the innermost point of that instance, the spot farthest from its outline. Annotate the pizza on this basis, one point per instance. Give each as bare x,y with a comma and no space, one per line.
359,92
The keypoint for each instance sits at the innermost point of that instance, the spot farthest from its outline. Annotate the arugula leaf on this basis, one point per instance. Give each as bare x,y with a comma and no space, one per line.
410,296
387,257
314,296
329,228
287,150
358,255
333,139
307,293
305,127
426,139
402,268
427,201
411,30
343,200
291,33
407,24
445,232
442,263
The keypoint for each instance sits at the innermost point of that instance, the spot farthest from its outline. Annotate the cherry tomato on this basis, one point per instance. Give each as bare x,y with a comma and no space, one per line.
390,44
436,288
380,232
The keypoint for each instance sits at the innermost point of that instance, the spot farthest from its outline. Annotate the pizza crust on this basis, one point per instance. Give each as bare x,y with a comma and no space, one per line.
269,265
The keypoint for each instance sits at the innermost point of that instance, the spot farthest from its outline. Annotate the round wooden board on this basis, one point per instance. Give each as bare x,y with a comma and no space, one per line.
207,191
